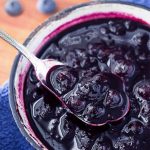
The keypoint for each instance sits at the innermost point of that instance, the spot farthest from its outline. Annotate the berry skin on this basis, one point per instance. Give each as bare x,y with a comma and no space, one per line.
121,66
145,112
102,143
113,99
46,6
141,90
63,79
130,26
116,28
135,126
140,39
40,109
76,104
13,7
93,112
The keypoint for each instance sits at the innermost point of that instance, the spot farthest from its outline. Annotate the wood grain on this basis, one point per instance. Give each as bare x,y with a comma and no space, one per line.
20,27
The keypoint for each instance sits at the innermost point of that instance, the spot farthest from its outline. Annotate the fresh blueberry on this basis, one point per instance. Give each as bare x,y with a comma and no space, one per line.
46,6
13,7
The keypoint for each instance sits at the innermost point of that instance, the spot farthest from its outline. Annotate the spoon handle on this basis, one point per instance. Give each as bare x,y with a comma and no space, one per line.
22,49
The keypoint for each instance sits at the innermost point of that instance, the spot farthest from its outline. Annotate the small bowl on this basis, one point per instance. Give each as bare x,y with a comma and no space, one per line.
43,33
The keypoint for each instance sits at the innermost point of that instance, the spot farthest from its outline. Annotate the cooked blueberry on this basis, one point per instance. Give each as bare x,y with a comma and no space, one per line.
76,104
59,111
113,99
37,106
102,55
83,139
78,58
145,112
141,90
125,142
102,144
93,49
140,39
63,79
55,50
121,66
131,26
103,67
65,128
93,112
135,126
109,40
71,59
93,88
83,58
40,109
117,28
13,7
83,89
104,30
46,6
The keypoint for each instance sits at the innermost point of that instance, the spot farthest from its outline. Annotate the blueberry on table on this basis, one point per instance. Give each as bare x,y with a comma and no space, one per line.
46,6
13,7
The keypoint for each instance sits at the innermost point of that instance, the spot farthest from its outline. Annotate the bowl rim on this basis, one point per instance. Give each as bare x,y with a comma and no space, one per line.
57,16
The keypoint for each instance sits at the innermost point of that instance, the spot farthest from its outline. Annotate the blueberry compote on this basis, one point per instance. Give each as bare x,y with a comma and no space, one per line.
109,64
95,99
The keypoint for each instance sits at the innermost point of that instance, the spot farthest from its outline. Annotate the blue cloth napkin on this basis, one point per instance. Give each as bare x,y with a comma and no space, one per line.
145,3
10,136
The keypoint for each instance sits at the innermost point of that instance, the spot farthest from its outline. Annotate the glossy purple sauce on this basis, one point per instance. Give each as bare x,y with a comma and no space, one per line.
52,123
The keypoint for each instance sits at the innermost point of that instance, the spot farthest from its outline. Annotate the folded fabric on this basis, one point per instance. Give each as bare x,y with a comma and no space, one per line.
10,136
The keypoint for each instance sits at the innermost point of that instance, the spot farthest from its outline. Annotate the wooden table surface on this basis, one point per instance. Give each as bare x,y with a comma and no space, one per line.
20,27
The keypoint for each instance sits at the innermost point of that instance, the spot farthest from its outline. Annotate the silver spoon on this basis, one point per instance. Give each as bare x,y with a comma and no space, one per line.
41,67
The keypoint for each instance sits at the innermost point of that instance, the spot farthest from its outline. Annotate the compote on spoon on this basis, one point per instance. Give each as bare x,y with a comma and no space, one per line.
94,100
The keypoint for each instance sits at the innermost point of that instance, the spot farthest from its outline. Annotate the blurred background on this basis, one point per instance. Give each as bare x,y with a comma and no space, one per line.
21,26
34,12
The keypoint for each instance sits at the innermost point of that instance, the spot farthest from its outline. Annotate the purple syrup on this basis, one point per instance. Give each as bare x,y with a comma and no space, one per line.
118,51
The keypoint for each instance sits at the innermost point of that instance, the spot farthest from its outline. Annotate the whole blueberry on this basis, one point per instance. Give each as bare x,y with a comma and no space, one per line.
13,7
46,6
